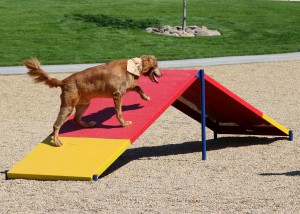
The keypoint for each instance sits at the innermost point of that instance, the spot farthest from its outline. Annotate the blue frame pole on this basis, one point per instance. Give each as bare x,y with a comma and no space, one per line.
291,135
95,177
201,75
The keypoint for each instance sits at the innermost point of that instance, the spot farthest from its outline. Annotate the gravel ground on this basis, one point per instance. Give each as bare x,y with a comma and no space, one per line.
163,172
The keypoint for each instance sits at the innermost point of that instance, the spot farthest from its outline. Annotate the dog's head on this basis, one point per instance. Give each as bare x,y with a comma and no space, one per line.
150,68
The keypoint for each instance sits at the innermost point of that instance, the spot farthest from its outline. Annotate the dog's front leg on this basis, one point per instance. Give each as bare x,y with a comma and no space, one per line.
117,96
139,90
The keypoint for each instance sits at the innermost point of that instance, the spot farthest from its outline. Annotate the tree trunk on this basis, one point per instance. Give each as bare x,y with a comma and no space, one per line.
184,16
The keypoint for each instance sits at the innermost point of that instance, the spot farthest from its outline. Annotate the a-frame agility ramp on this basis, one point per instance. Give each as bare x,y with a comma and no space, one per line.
88,152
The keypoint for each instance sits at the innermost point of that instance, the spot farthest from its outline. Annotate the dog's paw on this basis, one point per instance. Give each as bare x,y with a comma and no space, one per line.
145,97
57,143
126,123
91,124
87,125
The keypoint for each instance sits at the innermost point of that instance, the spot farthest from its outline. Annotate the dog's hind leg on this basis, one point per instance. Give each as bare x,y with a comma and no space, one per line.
117,96
68,101
80,109
139,90
63,114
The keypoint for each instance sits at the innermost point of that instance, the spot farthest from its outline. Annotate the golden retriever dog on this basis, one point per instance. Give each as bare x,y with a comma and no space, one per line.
110,80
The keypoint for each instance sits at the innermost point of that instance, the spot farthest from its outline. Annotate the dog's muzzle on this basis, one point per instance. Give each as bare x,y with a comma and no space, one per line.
154,74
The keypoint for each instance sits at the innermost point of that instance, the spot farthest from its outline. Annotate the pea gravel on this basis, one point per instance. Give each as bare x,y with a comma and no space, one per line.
163,172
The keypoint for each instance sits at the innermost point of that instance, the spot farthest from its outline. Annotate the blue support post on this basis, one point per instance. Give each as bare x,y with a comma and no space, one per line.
291,135
95,177
201,75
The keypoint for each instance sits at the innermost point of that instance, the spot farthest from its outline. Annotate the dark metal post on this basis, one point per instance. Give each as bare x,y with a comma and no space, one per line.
6,174
216,130
184,16
215,135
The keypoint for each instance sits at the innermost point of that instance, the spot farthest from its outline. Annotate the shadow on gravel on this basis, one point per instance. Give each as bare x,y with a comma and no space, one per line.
185,148
292,173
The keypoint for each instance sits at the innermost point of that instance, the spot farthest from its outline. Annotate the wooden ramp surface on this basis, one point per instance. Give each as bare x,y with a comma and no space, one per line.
88,152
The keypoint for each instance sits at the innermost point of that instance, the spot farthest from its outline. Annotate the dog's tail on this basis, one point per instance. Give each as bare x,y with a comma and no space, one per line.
39,75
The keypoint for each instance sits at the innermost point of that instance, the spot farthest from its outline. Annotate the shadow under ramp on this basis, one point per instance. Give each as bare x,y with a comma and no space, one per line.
185,148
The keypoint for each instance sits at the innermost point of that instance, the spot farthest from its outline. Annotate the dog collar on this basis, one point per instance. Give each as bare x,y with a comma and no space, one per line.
134,66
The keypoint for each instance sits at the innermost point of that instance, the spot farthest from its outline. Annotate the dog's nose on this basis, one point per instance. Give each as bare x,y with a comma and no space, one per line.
157,72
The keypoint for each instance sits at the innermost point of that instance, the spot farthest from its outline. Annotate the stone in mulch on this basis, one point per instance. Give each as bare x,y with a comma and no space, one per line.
190,31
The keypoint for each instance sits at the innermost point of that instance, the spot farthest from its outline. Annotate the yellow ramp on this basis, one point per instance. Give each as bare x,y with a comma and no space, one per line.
77,159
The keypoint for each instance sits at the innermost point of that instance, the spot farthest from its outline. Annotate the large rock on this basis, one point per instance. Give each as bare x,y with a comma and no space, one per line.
149,29
177,31
214,33
185,34
201,33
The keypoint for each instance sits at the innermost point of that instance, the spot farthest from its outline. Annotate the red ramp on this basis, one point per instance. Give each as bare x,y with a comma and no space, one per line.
142,113
226,113
88,152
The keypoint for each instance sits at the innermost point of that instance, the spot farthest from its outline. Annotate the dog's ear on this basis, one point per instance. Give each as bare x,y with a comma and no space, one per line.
153,61
148,62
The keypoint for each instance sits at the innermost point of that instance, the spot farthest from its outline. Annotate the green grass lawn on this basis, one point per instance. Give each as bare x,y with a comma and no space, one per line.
73,31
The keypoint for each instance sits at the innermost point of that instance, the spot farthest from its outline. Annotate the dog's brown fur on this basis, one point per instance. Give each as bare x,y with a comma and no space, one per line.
110,80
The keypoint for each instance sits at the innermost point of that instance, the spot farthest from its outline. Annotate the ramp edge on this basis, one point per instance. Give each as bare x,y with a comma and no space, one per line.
276,124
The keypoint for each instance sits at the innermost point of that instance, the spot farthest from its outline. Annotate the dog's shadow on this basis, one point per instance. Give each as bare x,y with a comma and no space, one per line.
100,117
